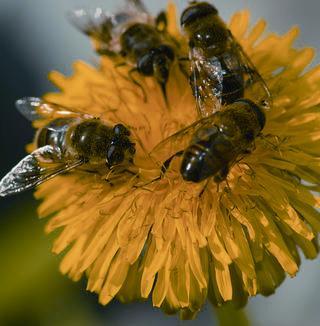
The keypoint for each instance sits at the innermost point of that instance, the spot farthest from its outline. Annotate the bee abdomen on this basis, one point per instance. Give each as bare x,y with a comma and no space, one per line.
205,159
232,88
54,133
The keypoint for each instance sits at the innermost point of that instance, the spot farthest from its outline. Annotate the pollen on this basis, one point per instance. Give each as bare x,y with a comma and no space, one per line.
139,236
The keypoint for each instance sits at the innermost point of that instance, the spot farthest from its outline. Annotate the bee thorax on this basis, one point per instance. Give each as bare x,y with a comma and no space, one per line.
91,138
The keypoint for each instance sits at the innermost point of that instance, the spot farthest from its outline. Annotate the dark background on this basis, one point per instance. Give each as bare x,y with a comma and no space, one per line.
35,38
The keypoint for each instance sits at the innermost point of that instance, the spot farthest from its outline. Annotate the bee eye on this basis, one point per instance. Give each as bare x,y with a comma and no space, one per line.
249,136
167,50
132,149
114,156
120,129
145,64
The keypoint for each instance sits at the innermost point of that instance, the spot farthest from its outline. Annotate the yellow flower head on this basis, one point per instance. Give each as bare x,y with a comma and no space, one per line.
136,236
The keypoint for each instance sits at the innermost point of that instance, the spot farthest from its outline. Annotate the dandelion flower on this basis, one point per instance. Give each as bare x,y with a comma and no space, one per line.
173,240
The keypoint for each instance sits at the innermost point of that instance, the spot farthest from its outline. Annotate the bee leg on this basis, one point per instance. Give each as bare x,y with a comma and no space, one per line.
203,189
118,65
275,147
106,52
162,21
166,164
252,173
249,150
221,175
132,79
164,93
182,66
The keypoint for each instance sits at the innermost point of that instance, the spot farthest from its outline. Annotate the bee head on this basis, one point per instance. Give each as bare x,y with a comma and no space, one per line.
156,63
121,130
195,12
121,147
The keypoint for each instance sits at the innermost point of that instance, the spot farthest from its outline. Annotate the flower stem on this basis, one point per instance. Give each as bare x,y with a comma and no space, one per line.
230,316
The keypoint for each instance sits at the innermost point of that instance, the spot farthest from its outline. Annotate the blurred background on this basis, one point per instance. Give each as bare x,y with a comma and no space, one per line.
36,38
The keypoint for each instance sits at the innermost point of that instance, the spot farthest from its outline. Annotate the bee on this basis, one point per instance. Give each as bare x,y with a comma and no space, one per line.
212,145
69,140
231,99
131,37
221,71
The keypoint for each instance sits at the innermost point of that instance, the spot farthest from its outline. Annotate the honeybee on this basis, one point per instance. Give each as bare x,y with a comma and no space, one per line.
131,37
69,140
231,97
221,71
210,146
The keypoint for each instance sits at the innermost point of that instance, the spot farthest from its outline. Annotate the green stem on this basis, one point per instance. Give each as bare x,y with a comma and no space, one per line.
230,316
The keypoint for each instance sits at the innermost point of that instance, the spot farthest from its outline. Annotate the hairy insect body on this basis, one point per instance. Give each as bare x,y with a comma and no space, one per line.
143,45
90,138
139,39
64,144
55,134
131,37
230,94
215,147
221,72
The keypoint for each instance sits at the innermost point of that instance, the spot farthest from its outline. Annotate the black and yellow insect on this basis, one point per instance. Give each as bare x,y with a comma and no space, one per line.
231,98
211,145
69,140
131,37
221,71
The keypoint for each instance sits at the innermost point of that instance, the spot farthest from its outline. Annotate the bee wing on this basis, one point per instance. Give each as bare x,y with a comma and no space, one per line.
34,108
256,88
106,27
206,82
29,172
94,22
178,142
137,6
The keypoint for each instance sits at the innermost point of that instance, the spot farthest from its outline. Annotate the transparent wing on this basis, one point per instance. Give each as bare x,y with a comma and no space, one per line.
256,88
41,165
179,141
206,82
94,22
106,27
137,6
34,108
